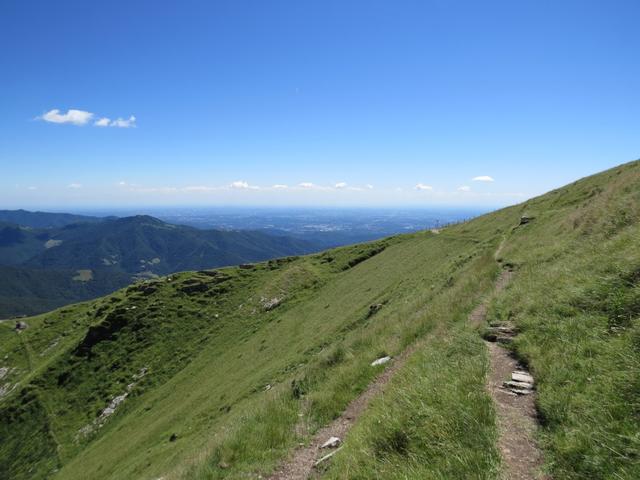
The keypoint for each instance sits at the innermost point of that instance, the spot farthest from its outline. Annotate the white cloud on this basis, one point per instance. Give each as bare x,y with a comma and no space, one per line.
240,185
75,117
422,186
82,117
464,188
280,187
75,186
122,184
122,123
483,178
307,185
340,185
368,186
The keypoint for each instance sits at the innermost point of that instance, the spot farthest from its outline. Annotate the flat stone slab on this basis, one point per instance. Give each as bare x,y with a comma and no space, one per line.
380,361
512,384
522,377
333,442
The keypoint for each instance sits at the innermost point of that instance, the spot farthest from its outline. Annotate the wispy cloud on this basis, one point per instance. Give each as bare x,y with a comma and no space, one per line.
368,186
75,186
122,123
32,187
280,186
118,123
306,185
483,178
464,188
75,117
422,186
82,117
340,185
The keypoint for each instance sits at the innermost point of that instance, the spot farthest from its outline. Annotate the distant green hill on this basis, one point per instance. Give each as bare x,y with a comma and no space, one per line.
221,373
55,266
43,219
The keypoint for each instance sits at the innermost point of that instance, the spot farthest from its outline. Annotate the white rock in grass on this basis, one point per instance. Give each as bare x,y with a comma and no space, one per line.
333,442
380,361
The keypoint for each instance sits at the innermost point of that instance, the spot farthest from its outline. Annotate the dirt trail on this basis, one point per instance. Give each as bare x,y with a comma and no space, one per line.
301,465
516,419
516,412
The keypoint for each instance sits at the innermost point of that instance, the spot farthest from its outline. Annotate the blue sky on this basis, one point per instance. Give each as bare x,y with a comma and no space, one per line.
335,102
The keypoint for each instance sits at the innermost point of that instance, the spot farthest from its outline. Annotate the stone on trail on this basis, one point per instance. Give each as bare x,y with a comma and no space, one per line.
327,457
521,391
380,361
522,377
513,384
333,442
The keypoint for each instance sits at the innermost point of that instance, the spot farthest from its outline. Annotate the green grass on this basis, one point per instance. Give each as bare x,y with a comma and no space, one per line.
211,347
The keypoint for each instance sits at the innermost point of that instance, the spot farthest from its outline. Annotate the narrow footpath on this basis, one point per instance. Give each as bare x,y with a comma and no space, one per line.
512,389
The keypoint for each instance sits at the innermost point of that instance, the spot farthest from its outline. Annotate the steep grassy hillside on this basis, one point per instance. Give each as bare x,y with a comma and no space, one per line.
219,374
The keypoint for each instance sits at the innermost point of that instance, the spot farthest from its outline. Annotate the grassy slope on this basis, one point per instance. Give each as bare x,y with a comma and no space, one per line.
576,301
207,374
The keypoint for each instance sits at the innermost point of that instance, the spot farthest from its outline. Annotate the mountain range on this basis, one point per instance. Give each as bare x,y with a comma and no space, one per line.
52,259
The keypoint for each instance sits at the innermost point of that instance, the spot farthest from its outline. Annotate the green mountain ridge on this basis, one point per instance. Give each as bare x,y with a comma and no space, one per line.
48,268
45,219
221,373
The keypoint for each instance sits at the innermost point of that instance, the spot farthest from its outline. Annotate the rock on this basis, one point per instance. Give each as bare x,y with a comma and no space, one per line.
504,329
375,308
246,266
521,391
327,457
267,387
525,219
270,303
223,465
21,326
333,442
522,377
193,286
503,339
512,384
210,273
380,361
173,437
